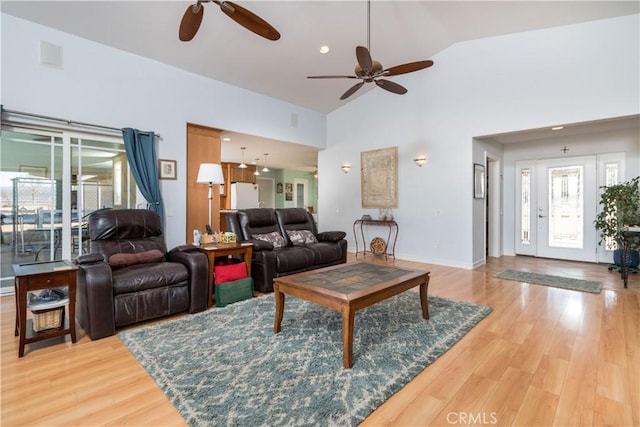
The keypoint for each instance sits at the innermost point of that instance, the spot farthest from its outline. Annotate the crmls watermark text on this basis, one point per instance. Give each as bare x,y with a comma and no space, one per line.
471,418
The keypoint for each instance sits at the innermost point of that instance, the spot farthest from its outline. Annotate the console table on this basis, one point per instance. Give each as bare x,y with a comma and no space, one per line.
214,250
38,276
361,224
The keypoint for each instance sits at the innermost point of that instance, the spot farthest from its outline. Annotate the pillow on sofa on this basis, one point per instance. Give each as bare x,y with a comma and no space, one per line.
301,237
126,260
229,272
274,238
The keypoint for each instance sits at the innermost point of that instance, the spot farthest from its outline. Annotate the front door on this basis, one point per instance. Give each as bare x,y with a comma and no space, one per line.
557,207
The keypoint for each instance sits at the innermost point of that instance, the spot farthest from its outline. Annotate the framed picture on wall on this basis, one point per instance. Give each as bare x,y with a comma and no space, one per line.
478,181
288,187
279,188
167,169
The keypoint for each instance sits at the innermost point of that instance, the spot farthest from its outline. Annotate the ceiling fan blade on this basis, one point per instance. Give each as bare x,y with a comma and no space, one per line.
364,59
332,77
249,20
407,68
391,86
191,22
352,90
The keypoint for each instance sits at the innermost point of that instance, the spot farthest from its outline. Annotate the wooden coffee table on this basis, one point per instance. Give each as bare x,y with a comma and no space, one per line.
349,288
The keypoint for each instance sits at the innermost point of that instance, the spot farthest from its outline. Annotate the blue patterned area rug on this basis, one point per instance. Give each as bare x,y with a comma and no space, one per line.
553,281
225,366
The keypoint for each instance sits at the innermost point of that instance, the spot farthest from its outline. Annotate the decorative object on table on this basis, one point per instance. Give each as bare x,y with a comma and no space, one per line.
378,246
226,237
167,169
478,181
379,178
385,214
303,355
208,238
366,217
553,281
210,173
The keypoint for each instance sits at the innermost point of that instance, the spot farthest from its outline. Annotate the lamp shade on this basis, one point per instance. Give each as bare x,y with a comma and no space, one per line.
210,173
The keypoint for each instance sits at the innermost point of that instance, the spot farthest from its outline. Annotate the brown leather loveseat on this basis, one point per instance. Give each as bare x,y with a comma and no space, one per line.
285,241
129,277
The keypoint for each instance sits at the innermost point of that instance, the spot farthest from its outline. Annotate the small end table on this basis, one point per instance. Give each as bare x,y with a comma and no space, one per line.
38,276
214,250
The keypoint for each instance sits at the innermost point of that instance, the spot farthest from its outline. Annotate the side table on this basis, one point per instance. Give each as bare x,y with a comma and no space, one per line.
393,233
214,250
38,276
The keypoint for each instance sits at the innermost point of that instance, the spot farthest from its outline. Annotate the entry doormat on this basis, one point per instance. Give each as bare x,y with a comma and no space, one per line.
553,281
225,366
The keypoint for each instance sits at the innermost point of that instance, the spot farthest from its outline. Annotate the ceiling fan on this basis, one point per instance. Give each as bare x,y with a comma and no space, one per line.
368,70
193,17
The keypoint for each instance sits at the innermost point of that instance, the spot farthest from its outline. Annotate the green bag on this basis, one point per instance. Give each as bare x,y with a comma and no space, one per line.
230,292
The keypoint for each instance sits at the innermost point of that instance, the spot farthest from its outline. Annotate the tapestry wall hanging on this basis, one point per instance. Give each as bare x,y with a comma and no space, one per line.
379,178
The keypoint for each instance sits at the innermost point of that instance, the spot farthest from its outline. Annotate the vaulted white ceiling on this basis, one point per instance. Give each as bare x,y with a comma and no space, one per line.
401,31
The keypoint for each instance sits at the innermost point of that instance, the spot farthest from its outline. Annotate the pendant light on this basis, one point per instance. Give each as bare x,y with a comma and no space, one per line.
257,172
242,165
265,168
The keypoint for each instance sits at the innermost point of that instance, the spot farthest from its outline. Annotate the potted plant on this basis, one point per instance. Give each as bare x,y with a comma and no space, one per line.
620,210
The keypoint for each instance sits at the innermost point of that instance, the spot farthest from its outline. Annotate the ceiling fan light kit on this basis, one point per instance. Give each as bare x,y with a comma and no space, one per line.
369,70
192,19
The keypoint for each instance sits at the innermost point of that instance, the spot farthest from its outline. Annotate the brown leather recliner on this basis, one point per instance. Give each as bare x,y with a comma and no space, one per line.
129,277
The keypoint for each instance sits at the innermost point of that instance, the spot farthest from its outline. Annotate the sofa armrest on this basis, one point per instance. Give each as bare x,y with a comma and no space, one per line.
198,268
261,245
94,302
89,259
331,236
183,248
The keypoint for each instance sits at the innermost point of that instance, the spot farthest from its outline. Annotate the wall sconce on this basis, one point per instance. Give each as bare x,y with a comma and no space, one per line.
421,160
345,168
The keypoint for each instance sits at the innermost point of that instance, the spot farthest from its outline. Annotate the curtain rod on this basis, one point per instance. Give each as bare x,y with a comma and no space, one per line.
67,122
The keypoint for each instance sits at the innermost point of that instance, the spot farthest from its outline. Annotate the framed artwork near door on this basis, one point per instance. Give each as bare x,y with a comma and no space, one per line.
478,181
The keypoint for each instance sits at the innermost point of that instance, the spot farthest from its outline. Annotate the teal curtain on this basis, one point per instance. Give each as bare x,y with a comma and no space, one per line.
141,155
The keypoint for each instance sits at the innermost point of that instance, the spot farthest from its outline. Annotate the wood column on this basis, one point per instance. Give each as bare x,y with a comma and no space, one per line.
203,146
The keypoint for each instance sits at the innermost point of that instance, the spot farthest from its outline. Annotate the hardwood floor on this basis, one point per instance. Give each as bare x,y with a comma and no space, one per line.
543,357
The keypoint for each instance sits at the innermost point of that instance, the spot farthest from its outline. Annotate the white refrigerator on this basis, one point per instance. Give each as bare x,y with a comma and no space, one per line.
244,195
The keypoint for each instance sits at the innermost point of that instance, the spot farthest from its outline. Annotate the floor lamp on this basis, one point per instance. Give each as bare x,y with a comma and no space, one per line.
210,173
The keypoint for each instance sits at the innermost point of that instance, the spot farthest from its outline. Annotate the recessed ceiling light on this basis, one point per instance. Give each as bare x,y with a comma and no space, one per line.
324,49
557,128
226,139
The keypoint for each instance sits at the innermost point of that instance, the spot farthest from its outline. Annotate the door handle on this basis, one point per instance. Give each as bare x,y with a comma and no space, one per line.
541,216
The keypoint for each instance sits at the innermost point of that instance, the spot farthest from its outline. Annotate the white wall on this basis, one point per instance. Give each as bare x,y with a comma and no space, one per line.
109,87
529,80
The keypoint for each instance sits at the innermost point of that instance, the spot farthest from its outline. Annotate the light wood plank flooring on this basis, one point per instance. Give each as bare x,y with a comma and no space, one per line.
544,357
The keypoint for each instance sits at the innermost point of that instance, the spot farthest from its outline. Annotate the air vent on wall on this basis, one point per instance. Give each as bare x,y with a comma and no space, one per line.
50,55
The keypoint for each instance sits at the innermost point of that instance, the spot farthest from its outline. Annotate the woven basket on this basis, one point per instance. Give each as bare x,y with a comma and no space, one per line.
47,319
